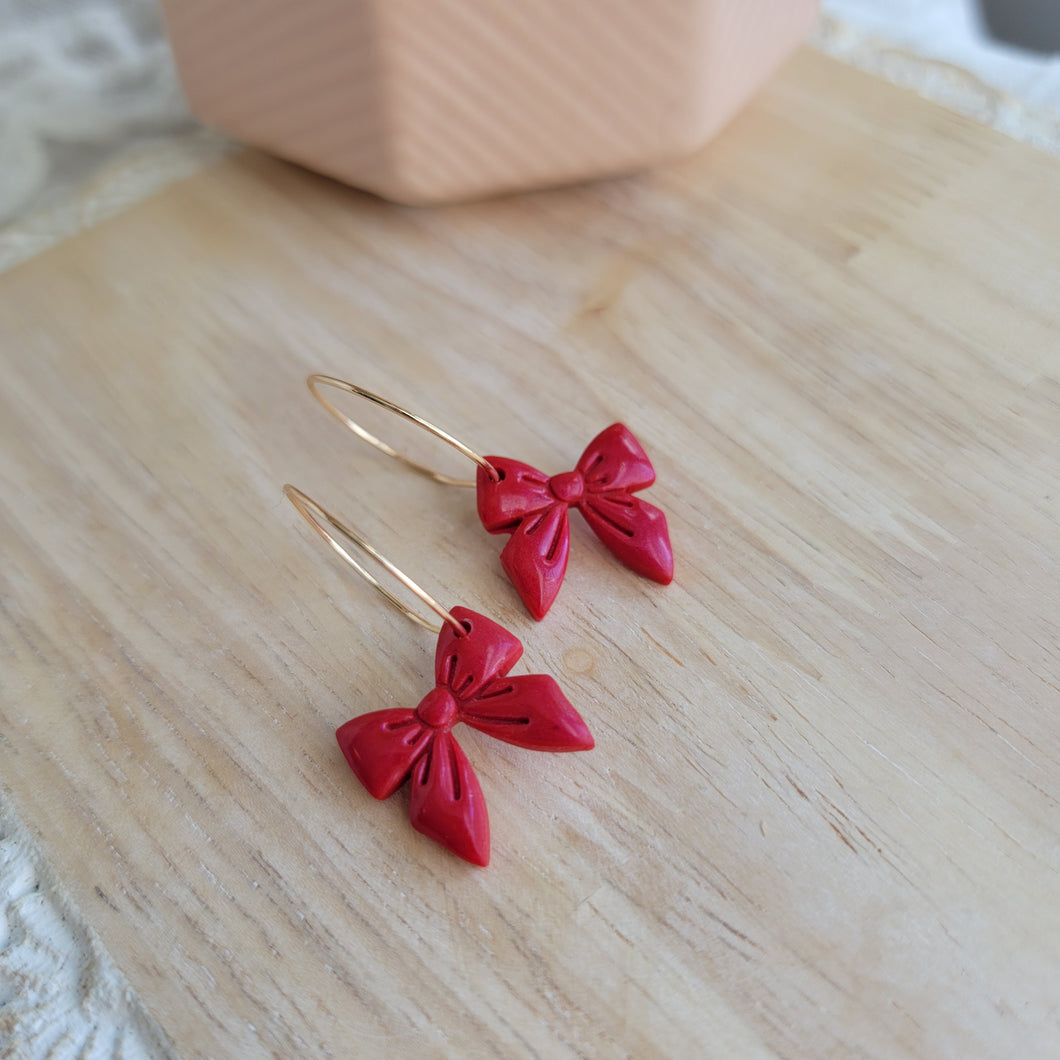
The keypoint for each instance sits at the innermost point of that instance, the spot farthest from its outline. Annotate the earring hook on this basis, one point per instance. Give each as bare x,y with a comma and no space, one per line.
315,381
317,516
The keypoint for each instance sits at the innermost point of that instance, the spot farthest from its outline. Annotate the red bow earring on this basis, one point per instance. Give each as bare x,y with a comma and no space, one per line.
472,685
517,499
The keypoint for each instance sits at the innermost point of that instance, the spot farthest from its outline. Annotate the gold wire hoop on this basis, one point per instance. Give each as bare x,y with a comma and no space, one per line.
316,516
340,384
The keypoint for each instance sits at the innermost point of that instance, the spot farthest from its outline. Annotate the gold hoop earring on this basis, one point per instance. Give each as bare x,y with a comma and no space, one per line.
385,748
532,507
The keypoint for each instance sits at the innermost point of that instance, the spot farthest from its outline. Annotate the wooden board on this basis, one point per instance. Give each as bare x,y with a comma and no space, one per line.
821,818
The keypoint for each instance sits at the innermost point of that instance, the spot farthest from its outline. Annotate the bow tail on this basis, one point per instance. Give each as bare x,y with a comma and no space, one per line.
535,557
528,711
634,531
381,748
446,803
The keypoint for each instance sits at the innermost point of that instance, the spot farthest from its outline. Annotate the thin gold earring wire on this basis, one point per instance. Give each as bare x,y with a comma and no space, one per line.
317,516
315,381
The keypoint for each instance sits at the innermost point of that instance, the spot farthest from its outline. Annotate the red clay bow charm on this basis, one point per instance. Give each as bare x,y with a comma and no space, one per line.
385,747
517,499
533,508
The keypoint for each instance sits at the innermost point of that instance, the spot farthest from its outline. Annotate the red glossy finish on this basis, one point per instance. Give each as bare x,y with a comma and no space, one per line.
533,508
386,747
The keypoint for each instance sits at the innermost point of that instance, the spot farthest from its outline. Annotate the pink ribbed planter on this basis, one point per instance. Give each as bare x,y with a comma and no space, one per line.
440,100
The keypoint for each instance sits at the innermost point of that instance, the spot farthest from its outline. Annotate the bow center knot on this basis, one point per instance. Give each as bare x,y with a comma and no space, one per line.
567,487
437,709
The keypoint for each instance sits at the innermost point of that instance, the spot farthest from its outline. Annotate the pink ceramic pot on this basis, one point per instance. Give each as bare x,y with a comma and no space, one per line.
438,100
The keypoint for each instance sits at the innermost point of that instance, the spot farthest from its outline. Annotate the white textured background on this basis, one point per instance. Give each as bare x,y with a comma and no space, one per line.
91,119
950,31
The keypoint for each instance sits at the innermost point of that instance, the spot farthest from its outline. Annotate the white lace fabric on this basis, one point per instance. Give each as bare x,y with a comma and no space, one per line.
939,48
78,82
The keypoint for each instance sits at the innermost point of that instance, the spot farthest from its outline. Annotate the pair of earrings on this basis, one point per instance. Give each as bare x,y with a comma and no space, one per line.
474,654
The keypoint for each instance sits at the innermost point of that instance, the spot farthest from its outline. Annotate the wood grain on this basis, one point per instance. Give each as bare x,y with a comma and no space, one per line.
821,818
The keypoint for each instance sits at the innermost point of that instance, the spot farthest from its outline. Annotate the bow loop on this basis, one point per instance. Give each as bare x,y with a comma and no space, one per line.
615,460
381,748
520,490
464,664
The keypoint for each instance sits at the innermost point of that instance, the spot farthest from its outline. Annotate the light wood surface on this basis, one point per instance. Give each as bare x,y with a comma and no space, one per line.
821,818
